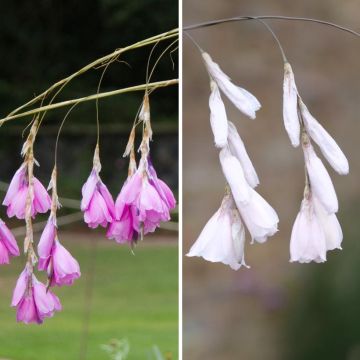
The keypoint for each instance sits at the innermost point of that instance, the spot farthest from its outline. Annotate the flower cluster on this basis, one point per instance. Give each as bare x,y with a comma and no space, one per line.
316,229
26,197
144,200
223,238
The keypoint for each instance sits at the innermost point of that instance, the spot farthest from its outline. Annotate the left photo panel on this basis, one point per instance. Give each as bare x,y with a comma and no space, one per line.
89,179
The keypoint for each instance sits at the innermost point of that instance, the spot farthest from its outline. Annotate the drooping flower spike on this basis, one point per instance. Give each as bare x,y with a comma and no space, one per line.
144,200
8,244
34,302
97,202
62,268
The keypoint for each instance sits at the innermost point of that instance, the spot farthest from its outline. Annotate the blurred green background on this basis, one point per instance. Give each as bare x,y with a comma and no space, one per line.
134,297
275,310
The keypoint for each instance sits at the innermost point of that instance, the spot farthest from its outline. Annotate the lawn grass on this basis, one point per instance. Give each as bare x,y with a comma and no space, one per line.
135,297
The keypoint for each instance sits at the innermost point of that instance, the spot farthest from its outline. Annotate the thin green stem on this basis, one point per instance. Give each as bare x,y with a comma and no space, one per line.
141,87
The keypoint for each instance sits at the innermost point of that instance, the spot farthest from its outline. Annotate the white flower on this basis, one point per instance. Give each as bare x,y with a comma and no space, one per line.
234,176
218,118
330,225
329,148
223,237
241,98
290,106
259,217
237,148
320,182
308,241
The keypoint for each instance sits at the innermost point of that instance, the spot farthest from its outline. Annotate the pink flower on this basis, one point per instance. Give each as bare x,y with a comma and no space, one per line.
8,245
150,198
97,202
33,301
123,229
62,268
17,192
65,269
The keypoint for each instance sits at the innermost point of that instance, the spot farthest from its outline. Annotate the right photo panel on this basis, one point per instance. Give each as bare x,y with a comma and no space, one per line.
271,180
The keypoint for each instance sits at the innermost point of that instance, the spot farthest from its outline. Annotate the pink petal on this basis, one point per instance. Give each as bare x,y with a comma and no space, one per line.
88,190
4,254
20,288
42,200
17,204
107,198
8,239
46,243
97,212
16,183
26,311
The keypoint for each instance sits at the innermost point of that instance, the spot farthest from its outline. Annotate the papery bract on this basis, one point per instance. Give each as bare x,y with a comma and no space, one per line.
97,202
290,106
223,237
308,241
8,244
241,98
328,146
33,301
237,148
218,118
320,181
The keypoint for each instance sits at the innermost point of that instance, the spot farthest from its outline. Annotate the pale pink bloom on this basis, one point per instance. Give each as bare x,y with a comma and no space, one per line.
63,268
234,176
223,237
329,148
218,118
97,202
241,98
308,239
17,192
237,148
259,217
33,301
8,245
290,106
46,244
321,184
330,225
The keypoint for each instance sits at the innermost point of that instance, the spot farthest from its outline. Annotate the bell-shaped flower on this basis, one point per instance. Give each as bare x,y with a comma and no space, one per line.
320,182
308,239
329,148
150,198
237,148
223,237
8,245
63,268
290,106
259,217
218,118
33,301
124,229
17,193
97,202
330,226
241,98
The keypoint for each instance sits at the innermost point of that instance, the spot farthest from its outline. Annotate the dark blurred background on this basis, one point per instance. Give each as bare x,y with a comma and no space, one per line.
275,310
134,297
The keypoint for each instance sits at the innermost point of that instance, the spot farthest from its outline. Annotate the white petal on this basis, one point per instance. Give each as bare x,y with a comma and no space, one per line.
237,148
234,175
241,98
222,239
328,146
307,238
320,182
259,217
290,106
330,225
218,118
